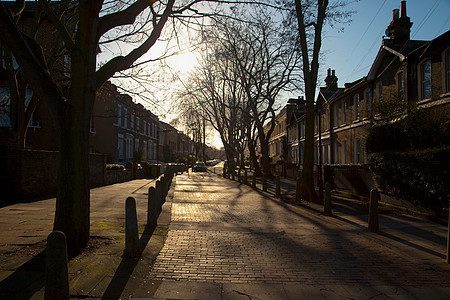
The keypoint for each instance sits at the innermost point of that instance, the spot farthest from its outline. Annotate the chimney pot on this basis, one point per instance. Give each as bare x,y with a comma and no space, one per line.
403,11
395,14
333,73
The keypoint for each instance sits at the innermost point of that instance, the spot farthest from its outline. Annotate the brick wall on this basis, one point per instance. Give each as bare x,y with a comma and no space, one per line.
30,174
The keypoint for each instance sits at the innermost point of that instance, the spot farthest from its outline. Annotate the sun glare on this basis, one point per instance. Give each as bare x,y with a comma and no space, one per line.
183,63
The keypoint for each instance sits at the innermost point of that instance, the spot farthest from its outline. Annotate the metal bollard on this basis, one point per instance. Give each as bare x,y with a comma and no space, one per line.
245,177
373,210
264,183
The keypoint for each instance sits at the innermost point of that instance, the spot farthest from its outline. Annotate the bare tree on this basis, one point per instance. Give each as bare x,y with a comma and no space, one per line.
308,18
73,109
266,64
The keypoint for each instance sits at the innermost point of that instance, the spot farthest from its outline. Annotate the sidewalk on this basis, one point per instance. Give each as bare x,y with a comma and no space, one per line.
219,239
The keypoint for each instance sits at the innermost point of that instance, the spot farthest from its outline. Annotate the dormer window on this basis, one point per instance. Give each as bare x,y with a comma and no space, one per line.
425,79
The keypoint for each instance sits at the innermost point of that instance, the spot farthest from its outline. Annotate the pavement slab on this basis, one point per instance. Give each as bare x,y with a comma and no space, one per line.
224,232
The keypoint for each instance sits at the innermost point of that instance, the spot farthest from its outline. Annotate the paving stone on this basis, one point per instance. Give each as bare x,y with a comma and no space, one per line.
250,238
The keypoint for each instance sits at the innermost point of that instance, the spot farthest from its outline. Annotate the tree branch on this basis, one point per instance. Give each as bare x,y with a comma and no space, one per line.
121,63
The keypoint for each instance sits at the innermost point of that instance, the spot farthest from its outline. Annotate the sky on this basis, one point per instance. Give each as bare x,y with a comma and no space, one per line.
352,51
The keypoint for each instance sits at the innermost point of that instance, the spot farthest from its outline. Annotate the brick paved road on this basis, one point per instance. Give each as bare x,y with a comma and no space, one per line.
225,232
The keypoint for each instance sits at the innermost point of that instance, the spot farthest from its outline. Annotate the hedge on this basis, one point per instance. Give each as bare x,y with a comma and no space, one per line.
421,177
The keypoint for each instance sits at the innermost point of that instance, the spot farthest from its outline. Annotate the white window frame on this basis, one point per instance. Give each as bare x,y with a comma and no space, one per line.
125,113
120,149
356,103
422,81
380,91
344,112
367,98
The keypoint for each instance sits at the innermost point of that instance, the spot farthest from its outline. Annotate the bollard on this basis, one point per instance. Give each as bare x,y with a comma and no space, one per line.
298,187
245,177
239,175
254,180
327,200
153,207
232,174
264,183
131,229
277,189
224,173
56,270
159,196
373,210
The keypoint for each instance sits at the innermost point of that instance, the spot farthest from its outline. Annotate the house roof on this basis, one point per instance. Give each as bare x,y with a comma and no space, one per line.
403,51
328,95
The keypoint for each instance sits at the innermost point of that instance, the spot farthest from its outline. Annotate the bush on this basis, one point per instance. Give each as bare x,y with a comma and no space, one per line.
114,167
421,129
421,177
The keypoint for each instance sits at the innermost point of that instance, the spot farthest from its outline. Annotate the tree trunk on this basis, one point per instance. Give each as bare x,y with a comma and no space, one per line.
254,158
308,192
265,157
73,198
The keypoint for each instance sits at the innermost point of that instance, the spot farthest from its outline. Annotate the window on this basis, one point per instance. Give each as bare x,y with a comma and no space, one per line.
145,150
120,145
145,127
400,87
425,79
301,130
335,115
125,113
136,144
337,151
357,151
119,115
344,112
380,91
132,121
367,98
447,71
356,100
129,146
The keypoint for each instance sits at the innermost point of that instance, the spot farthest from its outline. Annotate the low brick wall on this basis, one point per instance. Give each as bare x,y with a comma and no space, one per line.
115,176
29,174
355,179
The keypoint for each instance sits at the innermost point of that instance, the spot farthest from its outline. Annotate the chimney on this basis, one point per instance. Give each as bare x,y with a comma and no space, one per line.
403,9
400,27
331,80
395,14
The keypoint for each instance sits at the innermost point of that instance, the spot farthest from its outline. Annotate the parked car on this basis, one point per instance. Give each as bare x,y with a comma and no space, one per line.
199,167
